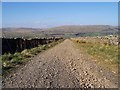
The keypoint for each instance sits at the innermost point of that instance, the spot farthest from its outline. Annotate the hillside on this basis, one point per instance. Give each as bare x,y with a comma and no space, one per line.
80,28
61,31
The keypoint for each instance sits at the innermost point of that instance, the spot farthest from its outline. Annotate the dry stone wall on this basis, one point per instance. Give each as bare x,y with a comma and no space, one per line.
11,45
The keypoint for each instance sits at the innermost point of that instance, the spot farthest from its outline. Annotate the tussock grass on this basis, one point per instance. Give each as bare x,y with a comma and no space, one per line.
10,61
105,54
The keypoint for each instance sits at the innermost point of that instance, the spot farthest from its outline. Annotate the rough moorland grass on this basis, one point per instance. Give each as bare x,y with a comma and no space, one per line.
107,55
10,61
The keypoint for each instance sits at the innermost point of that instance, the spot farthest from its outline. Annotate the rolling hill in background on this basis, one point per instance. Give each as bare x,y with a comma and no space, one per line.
61,31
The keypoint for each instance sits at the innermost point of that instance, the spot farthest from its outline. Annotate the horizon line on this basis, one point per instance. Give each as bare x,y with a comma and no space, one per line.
61,26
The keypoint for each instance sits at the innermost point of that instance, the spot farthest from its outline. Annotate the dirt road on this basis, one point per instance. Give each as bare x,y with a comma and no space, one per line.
62,66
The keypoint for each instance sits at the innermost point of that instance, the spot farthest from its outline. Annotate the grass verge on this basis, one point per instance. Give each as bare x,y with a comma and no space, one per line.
12,61
105,55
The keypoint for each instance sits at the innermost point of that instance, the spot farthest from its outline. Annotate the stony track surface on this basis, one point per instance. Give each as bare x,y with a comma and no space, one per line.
62,66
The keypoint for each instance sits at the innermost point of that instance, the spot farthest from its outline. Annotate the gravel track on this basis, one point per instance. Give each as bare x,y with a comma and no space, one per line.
62,66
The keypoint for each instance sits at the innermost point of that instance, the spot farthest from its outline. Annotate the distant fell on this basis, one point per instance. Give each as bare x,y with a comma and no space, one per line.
83,28
66,31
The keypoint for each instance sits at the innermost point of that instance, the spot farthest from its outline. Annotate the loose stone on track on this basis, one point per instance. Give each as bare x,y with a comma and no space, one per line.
62,66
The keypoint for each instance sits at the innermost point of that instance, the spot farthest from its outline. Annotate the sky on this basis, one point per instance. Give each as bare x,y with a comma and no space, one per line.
51,14
60,0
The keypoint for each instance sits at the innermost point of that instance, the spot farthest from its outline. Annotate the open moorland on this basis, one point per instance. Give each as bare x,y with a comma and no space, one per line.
67,31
